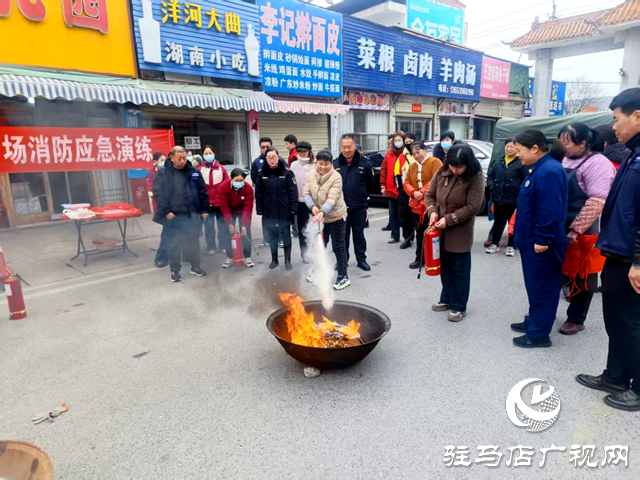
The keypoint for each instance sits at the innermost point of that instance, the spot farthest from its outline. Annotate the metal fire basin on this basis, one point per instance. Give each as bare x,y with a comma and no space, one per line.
373,326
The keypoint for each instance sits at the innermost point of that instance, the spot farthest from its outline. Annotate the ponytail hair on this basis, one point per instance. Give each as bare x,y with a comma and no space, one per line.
530,137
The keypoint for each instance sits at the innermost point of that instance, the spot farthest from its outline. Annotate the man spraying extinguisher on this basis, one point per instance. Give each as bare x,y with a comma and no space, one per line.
453,200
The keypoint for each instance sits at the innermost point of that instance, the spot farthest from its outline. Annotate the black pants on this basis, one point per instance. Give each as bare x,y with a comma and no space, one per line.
214,221
356,219
183,233
502,214
579,307
246,242
163,254
303,219
406,216
420,236
336,232
456,279
394,219
275,233
622,321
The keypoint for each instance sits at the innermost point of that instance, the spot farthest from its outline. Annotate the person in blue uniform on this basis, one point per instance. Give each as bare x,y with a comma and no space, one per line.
540,234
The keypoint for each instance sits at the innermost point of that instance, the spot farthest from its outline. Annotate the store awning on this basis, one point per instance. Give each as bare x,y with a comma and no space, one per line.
311,108
126,90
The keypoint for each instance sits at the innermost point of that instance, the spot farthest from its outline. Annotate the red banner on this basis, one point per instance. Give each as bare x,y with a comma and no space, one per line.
43,149
495,78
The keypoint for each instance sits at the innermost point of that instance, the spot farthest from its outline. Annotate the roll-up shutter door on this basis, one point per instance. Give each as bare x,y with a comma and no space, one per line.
311,128
488,108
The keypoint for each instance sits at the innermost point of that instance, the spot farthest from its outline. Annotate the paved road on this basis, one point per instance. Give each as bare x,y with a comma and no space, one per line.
215,396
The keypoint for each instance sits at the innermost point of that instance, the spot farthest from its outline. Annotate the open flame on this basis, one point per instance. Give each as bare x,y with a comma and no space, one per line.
305,331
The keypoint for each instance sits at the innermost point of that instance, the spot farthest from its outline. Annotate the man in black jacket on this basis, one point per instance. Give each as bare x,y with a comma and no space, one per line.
619,242
183,204
357,183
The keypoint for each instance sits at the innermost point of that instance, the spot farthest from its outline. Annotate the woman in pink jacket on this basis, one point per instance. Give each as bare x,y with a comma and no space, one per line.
214,174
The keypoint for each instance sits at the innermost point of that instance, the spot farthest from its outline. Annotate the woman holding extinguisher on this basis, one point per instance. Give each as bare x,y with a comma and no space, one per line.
236,205
453,200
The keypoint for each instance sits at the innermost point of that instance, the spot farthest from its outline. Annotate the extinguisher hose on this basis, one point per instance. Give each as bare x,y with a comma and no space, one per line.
422,253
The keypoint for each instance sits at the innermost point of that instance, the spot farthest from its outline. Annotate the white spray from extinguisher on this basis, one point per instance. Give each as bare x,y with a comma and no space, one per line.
322,271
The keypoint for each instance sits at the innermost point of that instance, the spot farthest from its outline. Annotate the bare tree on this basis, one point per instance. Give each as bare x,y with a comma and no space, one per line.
582,92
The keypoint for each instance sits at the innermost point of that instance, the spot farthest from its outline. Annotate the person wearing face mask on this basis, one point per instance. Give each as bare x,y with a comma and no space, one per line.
447,140
416,185
590,175
540,235
404,210
505,178
393,161
277,203
453,199
214,174
162,254
323,196
236,204
301,170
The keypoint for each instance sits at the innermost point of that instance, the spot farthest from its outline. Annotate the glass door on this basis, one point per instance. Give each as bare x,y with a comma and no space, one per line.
29,195
69,187
418,126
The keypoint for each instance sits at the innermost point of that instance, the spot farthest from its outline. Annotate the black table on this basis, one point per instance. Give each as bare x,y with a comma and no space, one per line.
82,250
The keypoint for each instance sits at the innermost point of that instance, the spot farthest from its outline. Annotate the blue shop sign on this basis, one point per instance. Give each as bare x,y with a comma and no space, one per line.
384,60
556,99
211,38
301,49
435,20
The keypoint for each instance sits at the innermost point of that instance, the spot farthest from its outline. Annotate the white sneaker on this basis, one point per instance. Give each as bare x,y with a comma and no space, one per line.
511,252
248,263
493,249
309,279
342,283
228,263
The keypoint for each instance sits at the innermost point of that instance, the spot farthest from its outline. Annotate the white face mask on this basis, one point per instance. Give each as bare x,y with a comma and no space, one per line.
304,161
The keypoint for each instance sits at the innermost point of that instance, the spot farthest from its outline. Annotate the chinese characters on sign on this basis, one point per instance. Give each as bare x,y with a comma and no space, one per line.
496,75
556,99
210,38
381,59
435,20
301,49
34,149
522,456
77,13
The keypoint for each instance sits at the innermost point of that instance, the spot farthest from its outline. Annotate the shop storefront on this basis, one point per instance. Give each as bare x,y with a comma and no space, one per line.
368,118
418,73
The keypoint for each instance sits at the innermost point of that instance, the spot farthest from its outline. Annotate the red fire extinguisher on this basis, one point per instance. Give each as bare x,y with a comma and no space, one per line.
431,252
236,246
13,289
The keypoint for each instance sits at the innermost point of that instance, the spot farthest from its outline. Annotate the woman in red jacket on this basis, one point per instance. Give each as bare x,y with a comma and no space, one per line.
214,174
394,157
236,204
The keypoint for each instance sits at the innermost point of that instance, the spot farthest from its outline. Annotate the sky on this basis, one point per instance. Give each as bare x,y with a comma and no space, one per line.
491,22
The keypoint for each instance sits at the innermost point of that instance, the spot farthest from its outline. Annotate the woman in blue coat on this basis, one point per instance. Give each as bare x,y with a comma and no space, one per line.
540,234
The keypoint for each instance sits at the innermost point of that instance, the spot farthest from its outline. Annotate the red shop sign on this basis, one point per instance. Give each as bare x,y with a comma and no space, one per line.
416,107
42,149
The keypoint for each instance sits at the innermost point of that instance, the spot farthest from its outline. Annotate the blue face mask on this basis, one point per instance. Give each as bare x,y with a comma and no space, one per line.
209,158
237,185
446,145
398,145
190,159
161,165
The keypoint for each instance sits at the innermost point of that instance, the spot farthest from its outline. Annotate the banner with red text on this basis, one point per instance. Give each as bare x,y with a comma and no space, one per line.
496,76
44,149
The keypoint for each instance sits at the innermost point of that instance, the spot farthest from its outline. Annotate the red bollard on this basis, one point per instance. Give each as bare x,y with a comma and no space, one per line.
13,289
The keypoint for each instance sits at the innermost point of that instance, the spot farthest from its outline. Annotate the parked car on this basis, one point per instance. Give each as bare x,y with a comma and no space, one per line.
376,157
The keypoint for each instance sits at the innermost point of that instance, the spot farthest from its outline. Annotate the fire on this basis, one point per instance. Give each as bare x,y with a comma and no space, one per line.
305,331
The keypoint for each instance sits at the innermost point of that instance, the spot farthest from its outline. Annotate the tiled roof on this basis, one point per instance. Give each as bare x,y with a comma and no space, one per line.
579,26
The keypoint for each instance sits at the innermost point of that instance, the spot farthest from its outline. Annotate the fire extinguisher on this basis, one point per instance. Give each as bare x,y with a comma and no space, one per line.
236,246
431,252
13,289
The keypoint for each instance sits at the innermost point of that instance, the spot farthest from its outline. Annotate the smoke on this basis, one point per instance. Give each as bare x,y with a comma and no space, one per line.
322,269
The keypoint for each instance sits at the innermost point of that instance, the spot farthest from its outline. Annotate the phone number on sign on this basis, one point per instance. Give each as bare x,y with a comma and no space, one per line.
461,91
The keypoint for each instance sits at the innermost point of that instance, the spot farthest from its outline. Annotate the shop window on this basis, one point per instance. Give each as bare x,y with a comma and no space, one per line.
28,192
360,121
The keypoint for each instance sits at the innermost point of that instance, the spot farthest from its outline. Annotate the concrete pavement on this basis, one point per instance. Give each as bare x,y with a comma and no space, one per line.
183,380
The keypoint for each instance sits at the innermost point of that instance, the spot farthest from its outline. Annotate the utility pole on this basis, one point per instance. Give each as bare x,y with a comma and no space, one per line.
553,14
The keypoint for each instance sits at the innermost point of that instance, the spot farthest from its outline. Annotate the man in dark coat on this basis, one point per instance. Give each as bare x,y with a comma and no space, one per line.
357,183
277,201
619,242
183,204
